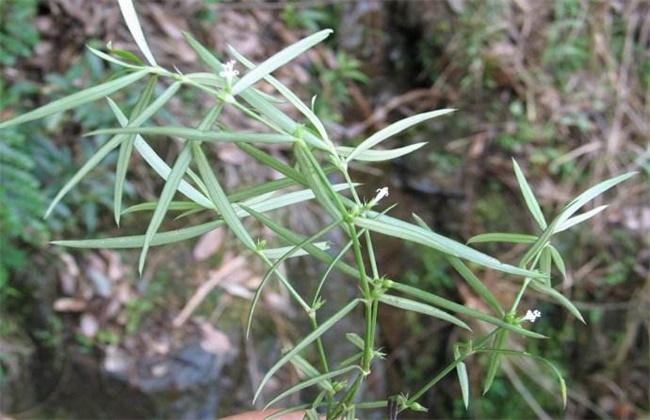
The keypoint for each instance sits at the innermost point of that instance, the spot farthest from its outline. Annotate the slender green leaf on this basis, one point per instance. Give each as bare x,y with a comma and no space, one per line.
173,206
126,55
558,375
476,284
318,380
373,155
317,180
258,100
276,253
219,198
155,106
545,261
307,369
558,260
261,189
394,129
137,241
590,194
355,339
463,379
111,59
559,297
311,337
283,413
500,340
296,239
85,169
513,238
178,171
413,306
462,309
203,52
127,147
201,135
278,60
76,99
399,229
580,218
132,22
529,197
273,163
467,274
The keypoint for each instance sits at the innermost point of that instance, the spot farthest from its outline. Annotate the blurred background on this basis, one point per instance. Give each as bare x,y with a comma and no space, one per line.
562,86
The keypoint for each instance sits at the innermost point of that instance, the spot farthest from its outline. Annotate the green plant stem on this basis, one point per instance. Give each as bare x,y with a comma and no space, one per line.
370,316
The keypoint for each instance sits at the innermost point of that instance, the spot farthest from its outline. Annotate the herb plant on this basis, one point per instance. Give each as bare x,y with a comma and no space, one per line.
339,382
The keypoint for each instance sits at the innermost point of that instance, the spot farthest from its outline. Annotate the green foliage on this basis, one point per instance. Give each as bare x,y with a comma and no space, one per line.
358,220
17,32
21,203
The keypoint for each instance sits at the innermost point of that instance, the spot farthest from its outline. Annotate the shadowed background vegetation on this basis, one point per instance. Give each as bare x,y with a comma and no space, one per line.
563,86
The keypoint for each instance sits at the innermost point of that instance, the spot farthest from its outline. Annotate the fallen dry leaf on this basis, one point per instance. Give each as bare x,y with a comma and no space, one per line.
208,245
214,340
69,305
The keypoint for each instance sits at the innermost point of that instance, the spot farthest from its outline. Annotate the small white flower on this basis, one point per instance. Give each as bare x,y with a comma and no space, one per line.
531,315
381,193
229,71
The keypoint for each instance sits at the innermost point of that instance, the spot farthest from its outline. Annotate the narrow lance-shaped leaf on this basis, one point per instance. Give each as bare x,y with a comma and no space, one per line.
580,218
132,22
156,105
558,261
413,306
372,155
462,309
219,198
178,171
77,99
394,129
559,297
476,284
513,238
296,239
529,196
556,372
468,275
85,169
589,195
310,338
545,264
111,59
463,378
137,241
399,229
317,380
202,135
279,59
125,150
317,180
499,340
